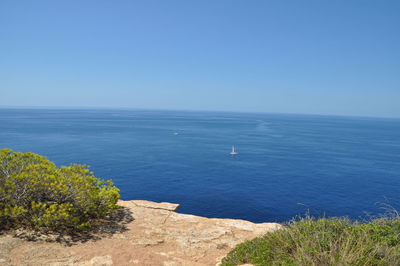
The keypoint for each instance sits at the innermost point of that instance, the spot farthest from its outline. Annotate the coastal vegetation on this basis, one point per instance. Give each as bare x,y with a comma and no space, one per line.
333,241
36,194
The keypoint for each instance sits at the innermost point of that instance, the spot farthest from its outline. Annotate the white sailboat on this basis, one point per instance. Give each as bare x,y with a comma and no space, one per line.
233,152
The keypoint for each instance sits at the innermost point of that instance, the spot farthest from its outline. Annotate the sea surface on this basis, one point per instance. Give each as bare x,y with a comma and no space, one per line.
287,165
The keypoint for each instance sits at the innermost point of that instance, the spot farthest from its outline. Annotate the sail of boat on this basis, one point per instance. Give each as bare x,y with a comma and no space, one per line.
233,152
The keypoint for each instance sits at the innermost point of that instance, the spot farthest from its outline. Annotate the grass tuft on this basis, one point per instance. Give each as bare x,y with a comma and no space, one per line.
333,241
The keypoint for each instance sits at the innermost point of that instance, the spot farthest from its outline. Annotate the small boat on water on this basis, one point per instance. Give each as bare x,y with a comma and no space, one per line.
233,152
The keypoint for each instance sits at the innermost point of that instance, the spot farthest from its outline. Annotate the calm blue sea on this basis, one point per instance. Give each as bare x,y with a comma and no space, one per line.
287,164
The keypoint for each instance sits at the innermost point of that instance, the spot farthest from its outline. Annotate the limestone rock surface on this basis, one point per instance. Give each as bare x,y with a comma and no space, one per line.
155,235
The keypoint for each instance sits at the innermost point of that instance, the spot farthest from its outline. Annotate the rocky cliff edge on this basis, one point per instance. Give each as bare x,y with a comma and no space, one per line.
147,233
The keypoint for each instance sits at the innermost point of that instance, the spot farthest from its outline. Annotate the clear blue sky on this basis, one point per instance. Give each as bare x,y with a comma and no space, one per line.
316,57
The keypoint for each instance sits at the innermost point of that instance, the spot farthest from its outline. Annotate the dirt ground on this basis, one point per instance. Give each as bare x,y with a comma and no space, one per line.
144,233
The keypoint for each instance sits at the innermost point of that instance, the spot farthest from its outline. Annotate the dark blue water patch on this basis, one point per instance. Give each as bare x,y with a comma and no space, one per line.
287,164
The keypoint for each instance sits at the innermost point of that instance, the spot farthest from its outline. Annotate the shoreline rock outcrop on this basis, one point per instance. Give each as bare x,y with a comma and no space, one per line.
154,235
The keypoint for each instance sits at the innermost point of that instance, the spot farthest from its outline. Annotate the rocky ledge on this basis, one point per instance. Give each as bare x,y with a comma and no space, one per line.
154,234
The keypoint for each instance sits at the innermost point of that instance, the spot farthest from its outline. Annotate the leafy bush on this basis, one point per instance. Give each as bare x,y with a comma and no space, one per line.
334,241
35,193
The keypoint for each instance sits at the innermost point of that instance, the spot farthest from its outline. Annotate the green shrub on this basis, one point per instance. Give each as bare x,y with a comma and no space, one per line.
334,241
35,193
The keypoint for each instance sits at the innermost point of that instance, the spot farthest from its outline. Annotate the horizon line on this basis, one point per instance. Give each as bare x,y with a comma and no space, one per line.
186,110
